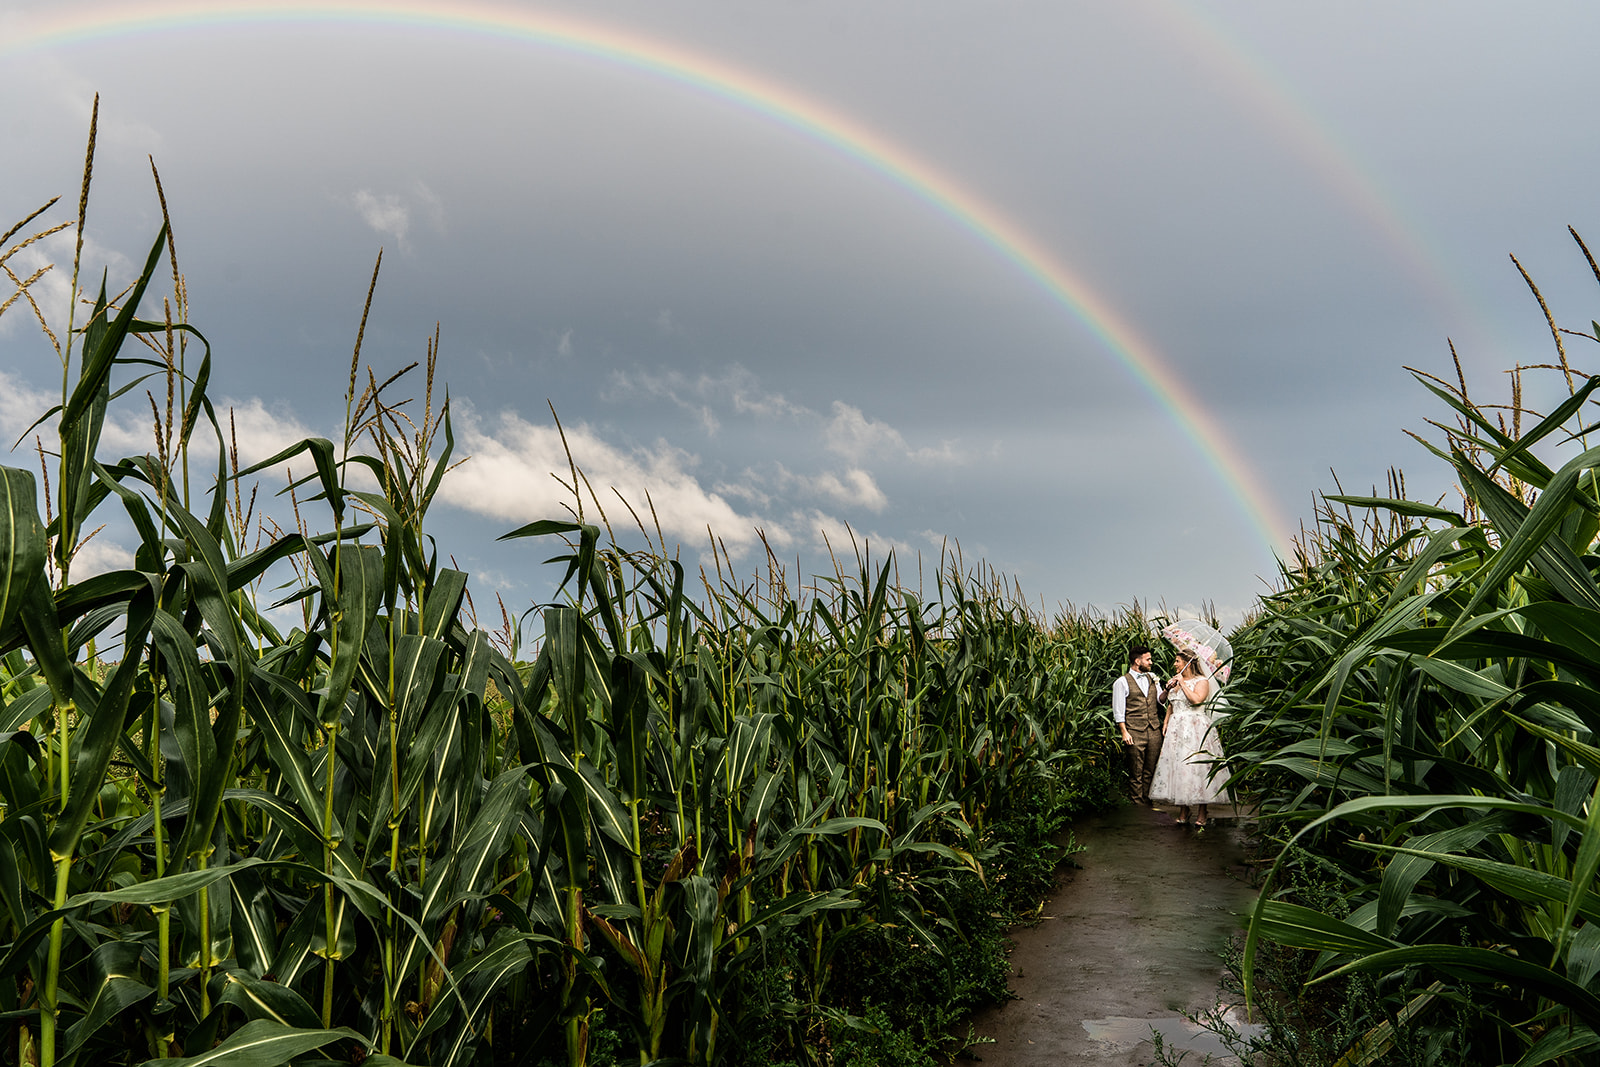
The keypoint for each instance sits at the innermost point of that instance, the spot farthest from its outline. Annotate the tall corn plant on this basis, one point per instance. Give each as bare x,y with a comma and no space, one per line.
1421,714
380,833
215,840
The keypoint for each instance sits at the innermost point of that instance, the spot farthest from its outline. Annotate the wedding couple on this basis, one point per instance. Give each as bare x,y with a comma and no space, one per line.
1168,729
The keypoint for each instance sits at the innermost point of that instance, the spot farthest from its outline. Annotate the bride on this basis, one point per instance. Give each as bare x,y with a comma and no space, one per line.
1184,773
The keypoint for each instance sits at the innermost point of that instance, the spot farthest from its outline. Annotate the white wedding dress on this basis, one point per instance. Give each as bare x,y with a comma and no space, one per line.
1184,771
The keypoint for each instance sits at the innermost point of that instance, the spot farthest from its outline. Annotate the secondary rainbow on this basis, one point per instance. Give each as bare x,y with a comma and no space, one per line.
1203,32
1067,287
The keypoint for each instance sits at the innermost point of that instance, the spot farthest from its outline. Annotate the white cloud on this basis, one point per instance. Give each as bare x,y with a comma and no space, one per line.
855,487
97,556
432,206
260,432
734,390
20,404
390,214
387,214
852,434
515,465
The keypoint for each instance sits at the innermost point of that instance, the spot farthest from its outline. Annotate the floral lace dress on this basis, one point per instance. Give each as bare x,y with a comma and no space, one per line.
1184,771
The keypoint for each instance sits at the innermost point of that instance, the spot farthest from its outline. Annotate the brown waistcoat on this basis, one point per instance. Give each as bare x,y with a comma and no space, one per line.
1143,711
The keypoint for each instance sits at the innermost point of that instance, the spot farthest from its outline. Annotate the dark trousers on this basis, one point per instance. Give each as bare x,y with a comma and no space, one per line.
1142,756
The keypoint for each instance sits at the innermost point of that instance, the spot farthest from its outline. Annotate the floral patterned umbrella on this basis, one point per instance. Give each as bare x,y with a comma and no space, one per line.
1206,642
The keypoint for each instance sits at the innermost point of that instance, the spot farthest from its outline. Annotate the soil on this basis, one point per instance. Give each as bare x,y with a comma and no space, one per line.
1131,941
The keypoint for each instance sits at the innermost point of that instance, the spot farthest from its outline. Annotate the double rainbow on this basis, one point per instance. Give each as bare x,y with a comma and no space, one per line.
1066,286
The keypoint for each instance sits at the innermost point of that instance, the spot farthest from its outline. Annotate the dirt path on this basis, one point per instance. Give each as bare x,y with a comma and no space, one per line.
1129,941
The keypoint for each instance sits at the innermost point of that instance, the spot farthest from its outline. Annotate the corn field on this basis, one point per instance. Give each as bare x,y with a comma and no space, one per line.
1418,708
385,834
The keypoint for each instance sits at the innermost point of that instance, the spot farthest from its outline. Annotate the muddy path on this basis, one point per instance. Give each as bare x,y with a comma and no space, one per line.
1129,941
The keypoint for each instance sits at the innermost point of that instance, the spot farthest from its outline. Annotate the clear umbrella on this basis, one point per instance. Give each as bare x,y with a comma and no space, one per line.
1212,649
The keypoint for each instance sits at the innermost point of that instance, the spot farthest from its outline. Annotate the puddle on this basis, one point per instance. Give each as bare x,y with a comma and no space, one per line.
1178,1034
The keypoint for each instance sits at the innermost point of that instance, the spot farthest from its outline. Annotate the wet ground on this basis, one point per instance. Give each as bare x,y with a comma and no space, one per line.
1130,942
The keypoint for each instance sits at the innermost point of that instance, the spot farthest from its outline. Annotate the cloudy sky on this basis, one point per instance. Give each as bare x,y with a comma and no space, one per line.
1101,292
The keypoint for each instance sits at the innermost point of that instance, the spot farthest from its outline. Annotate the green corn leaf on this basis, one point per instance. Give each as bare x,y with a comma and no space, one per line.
1524,883
418,679
1488,965
1375,805
288,756
444,602
42,626
190,698
485,974
1306,928
1583,955
323,457
171,887
357,572
114,995
255,923
479,849
83,416
1584,867
271,1001
1551,557
564,646
263,1043
22,541
1573,783
1399,507
541,528
1561,1043
1490,644
747,749
1569,625
428,739
30,705
106,713
1529,533
1547,425
294,957
763,795
100,349
1402,873
630,710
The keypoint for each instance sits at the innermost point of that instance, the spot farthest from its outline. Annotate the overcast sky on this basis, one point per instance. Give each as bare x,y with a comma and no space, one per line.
1287,203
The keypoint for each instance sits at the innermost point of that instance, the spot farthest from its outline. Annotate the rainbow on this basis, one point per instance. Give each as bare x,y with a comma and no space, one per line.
1067,287
1203,33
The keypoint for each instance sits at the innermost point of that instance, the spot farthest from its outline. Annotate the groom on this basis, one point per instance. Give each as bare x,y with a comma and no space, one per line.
1136,710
